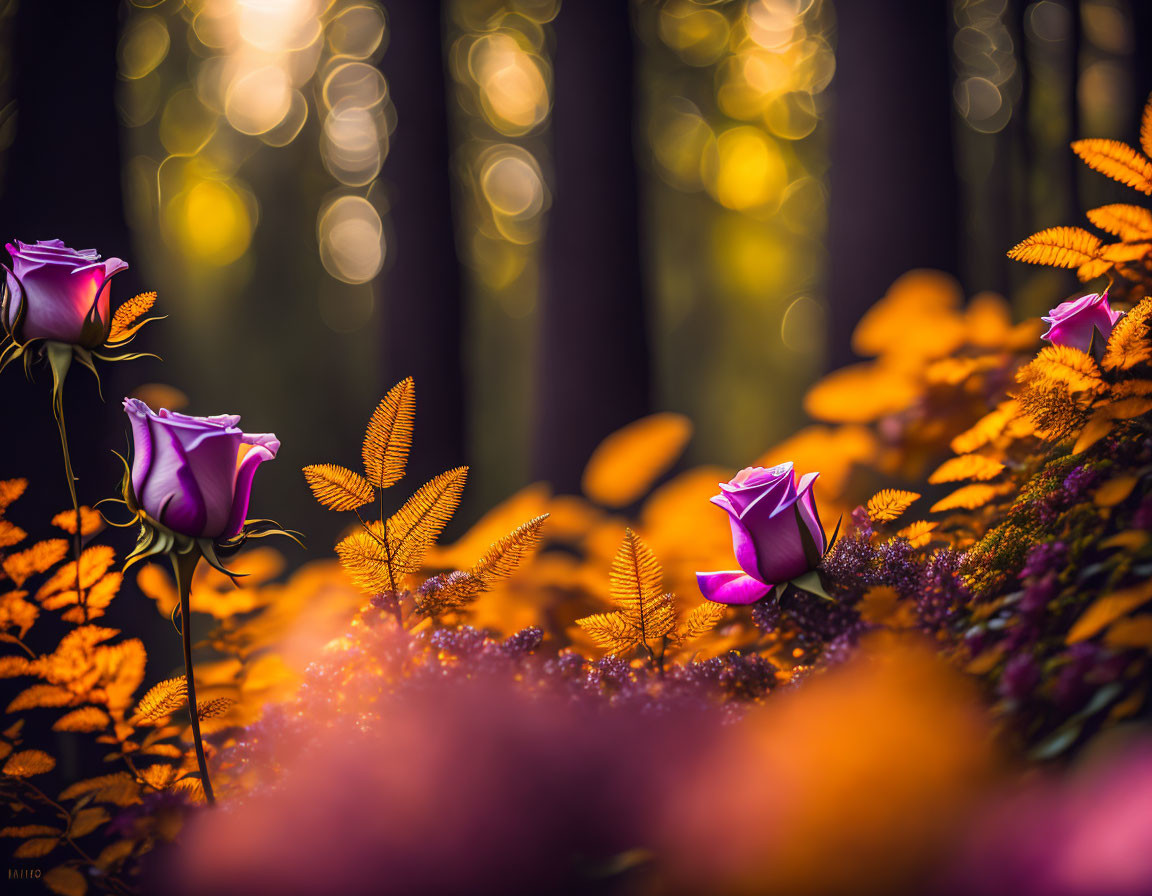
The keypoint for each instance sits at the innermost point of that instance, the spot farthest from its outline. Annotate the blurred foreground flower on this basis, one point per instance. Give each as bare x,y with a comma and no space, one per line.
776,534
1077,321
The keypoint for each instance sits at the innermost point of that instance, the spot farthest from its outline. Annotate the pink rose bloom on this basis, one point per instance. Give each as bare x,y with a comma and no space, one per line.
63,293
1071,323
767,508
194,474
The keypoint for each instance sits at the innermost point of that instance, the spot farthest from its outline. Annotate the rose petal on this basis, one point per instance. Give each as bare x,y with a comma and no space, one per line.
731,587
170,494
262,450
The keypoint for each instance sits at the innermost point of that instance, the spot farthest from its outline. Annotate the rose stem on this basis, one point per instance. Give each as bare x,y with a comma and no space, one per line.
184,565
60,359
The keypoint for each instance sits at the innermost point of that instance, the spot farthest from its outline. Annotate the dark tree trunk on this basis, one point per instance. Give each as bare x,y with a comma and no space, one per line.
593,353
893,192
420,287
62,179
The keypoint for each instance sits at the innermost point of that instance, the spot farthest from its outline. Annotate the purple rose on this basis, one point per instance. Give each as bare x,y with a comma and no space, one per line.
64,293
194,474
771,515
1071,323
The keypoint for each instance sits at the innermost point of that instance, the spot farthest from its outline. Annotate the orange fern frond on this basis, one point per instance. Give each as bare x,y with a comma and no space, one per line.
338,488
1060,247
10,490
29,762
90,521
624,465
1120,253
889,504
1129,344
969,497
94,562
86,718
118,788
967,466
1116,160
636,584
1090,270
389,435
213,709
918,533
700,620
39,558
127,315
161,700
1063,364
1129,222
423,517
10,534
612,631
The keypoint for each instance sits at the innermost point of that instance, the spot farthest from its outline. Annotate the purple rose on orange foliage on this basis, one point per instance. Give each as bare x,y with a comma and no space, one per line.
193,475
59,294
776,533
1072,323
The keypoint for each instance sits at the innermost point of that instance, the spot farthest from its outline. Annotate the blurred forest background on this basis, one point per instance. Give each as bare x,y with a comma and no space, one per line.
558,215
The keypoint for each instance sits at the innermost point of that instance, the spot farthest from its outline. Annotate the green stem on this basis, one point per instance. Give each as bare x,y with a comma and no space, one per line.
60,359
184,565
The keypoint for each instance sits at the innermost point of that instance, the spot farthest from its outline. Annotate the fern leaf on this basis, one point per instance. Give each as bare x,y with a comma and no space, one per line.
890,503
29,830
162,699
86,718
63,880
636,583
1129,222
1063,364
1090,270
338,488
118,788
213,709
94,563
624,465
967,466
29,762
40,695
1116,160
1121,253
701,620
423,517
127,315
39,558
36,847
1060,247
90,521
612,631
10,534
10,490
499,561
969,497
1129,344
389,435
918,533
1146,128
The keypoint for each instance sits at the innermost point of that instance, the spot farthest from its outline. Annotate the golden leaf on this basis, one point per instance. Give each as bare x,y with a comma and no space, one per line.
94,562
10,534
39,558
624,465
28,762
162,699
1063,364
1097,427
40,695
861,393
1146,128
16,612
1129,344
1061,247
890,503
86,718
969,497
117,788
389,435
918,534
157,585
11,666
29,830
338,488
159,777
1116,160
10,490
701,619
90,521
1129,222
114,853
33,849
1118,253
611,631
214,708
1107,609
86,821
1090,270
918,317
1115,490
66,881
1135,631
498,562
127,314
967,466
370,560
423,517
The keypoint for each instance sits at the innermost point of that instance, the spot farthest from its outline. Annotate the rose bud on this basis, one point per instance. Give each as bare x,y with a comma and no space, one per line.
1072,323
59,294
188,473
776,533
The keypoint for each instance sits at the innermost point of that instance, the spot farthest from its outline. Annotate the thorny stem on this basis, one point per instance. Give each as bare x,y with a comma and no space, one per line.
184,565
